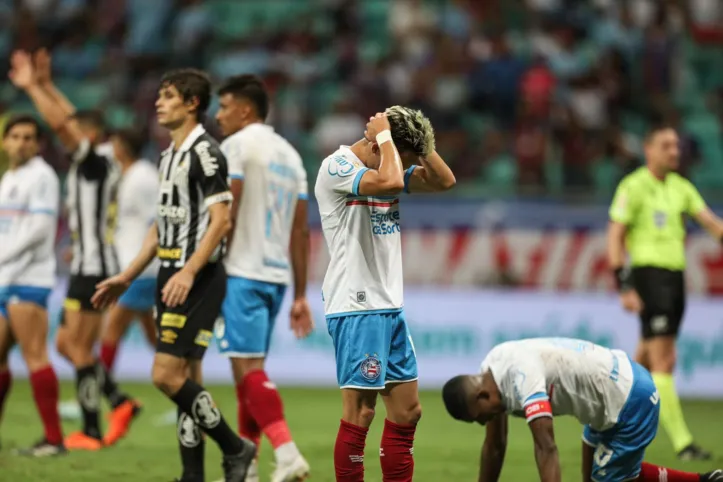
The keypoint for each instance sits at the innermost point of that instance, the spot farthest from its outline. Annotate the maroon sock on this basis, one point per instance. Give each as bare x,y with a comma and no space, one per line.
264,403
653,473
247,426
397,452
46,393
349,452
6,381
108,353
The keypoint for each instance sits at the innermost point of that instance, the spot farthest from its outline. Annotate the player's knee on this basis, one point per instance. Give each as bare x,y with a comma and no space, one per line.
167,379
365,416
409,415
36,358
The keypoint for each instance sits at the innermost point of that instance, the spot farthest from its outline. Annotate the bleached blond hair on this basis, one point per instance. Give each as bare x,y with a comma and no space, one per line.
411,130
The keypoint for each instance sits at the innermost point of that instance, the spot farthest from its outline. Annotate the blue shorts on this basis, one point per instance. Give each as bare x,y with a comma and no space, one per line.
619,450
372,349
22,294
140,295
249,312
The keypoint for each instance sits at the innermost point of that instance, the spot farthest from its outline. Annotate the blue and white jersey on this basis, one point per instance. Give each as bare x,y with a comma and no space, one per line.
561,376
274,180
29,201
364,240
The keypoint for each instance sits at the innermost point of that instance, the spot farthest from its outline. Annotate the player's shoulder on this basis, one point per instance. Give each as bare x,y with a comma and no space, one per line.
680,181
40,169
340,163
207,153
141,172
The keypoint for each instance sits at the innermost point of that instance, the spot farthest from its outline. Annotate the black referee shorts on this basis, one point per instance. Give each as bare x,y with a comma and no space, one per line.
186,330
663,294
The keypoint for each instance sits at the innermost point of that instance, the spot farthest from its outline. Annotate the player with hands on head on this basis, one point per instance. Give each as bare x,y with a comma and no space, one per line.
611,395
357,191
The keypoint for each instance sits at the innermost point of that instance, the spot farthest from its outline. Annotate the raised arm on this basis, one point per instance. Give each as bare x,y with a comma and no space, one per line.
389,178
493,449
43,68
433,175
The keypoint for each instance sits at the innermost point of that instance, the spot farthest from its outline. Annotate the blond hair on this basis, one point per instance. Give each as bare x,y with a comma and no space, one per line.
411,130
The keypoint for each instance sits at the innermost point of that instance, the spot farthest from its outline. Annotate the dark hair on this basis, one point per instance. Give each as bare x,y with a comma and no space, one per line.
93,117
190,83
656,128
454,394
132,139
249,87
19,119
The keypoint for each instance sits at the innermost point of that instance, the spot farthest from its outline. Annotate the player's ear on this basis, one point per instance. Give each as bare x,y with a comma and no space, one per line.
483,394
375,148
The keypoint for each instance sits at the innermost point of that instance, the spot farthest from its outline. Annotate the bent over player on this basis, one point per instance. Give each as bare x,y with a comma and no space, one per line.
29,201
188,238
614,397
647,217
270,239
357,189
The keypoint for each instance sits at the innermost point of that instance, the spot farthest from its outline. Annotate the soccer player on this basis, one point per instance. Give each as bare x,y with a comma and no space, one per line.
357,191
270,239
614,397
647,220
29,201
92,182
137,195
188,235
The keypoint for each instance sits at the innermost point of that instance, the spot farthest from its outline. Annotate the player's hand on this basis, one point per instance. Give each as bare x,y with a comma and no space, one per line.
631,301
302,323
22,74
177,288
109,290
41,62
376,124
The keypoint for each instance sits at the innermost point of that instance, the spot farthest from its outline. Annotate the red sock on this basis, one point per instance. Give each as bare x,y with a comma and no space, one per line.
653,473
6,381
46,392
349,452
264,403
247,426
397,452
107,355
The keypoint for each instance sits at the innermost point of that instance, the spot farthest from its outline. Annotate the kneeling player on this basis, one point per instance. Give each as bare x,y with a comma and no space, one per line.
613,396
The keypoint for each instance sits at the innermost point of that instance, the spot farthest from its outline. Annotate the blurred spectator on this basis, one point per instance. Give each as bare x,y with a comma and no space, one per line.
342,126
530,145
657,56
537,88
190,32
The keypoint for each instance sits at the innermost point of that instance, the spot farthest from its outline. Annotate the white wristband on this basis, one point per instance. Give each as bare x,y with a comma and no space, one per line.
384,136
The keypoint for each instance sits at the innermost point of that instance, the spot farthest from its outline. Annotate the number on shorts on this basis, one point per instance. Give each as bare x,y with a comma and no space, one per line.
602,455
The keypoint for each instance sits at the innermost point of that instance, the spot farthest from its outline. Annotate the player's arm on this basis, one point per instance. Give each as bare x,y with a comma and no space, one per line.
434,175
493,449
236,158
389,178
546,456
299,247
237,189
145,255
587,458
703,215
621,214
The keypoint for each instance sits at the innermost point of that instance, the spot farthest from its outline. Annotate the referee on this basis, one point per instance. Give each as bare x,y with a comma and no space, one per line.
647,221
192,221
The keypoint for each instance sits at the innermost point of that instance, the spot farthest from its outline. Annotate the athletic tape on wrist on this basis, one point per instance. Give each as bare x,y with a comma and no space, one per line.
384,136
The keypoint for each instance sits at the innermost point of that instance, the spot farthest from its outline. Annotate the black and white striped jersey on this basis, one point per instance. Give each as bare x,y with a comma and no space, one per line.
192,178
92,185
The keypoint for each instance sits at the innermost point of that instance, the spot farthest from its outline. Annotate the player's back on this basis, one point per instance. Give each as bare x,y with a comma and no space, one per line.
274,180
580,378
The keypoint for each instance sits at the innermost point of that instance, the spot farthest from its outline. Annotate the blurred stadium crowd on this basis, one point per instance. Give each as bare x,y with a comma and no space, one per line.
527,96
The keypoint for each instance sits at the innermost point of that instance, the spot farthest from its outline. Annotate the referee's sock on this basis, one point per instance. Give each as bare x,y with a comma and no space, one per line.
671,413
194,400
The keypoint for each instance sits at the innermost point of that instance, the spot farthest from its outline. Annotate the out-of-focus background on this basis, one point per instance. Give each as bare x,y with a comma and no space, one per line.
539,106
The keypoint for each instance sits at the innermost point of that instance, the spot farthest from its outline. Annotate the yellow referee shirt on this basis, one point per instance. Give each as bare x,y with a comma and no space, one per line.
652,210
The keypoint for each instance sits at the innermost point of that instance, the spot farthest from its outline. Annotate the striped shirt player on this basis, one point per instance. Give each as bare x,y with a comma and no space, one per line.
258,263
193,176
91,201
541,378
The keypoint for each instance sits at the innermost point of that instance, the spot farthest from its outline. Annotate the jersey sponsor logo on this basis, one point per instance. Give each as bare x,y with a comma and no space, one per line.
205,411
535,409
209,163
168,337
371,367
173,214
203,338
385,222
173,320
340,166
169,253
187,431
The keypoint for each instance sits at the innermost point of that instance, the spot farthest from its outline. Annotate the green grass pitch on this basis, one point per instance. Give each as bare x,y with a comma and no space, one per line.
445,450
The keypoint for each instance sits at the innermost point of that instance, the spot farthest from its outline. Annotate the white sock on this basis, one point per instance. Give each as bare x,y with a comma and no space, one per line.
286,453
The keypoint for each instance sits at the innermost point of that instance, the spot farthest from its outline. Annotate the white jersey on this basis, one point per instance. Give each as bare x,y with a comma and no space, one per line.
562,376
364,240
28,242
274,179
137,194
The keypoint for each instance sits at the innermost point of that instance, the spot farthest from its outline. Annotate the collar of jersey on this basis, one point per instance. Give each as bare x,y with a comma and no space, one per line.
197,132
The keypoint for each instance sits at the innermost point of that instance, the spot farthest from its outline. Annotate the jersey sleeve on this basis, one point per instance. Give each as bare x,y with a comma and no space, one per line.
694,201
408,177
622,209
342,175
211,172
521,378
45,195
235,157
